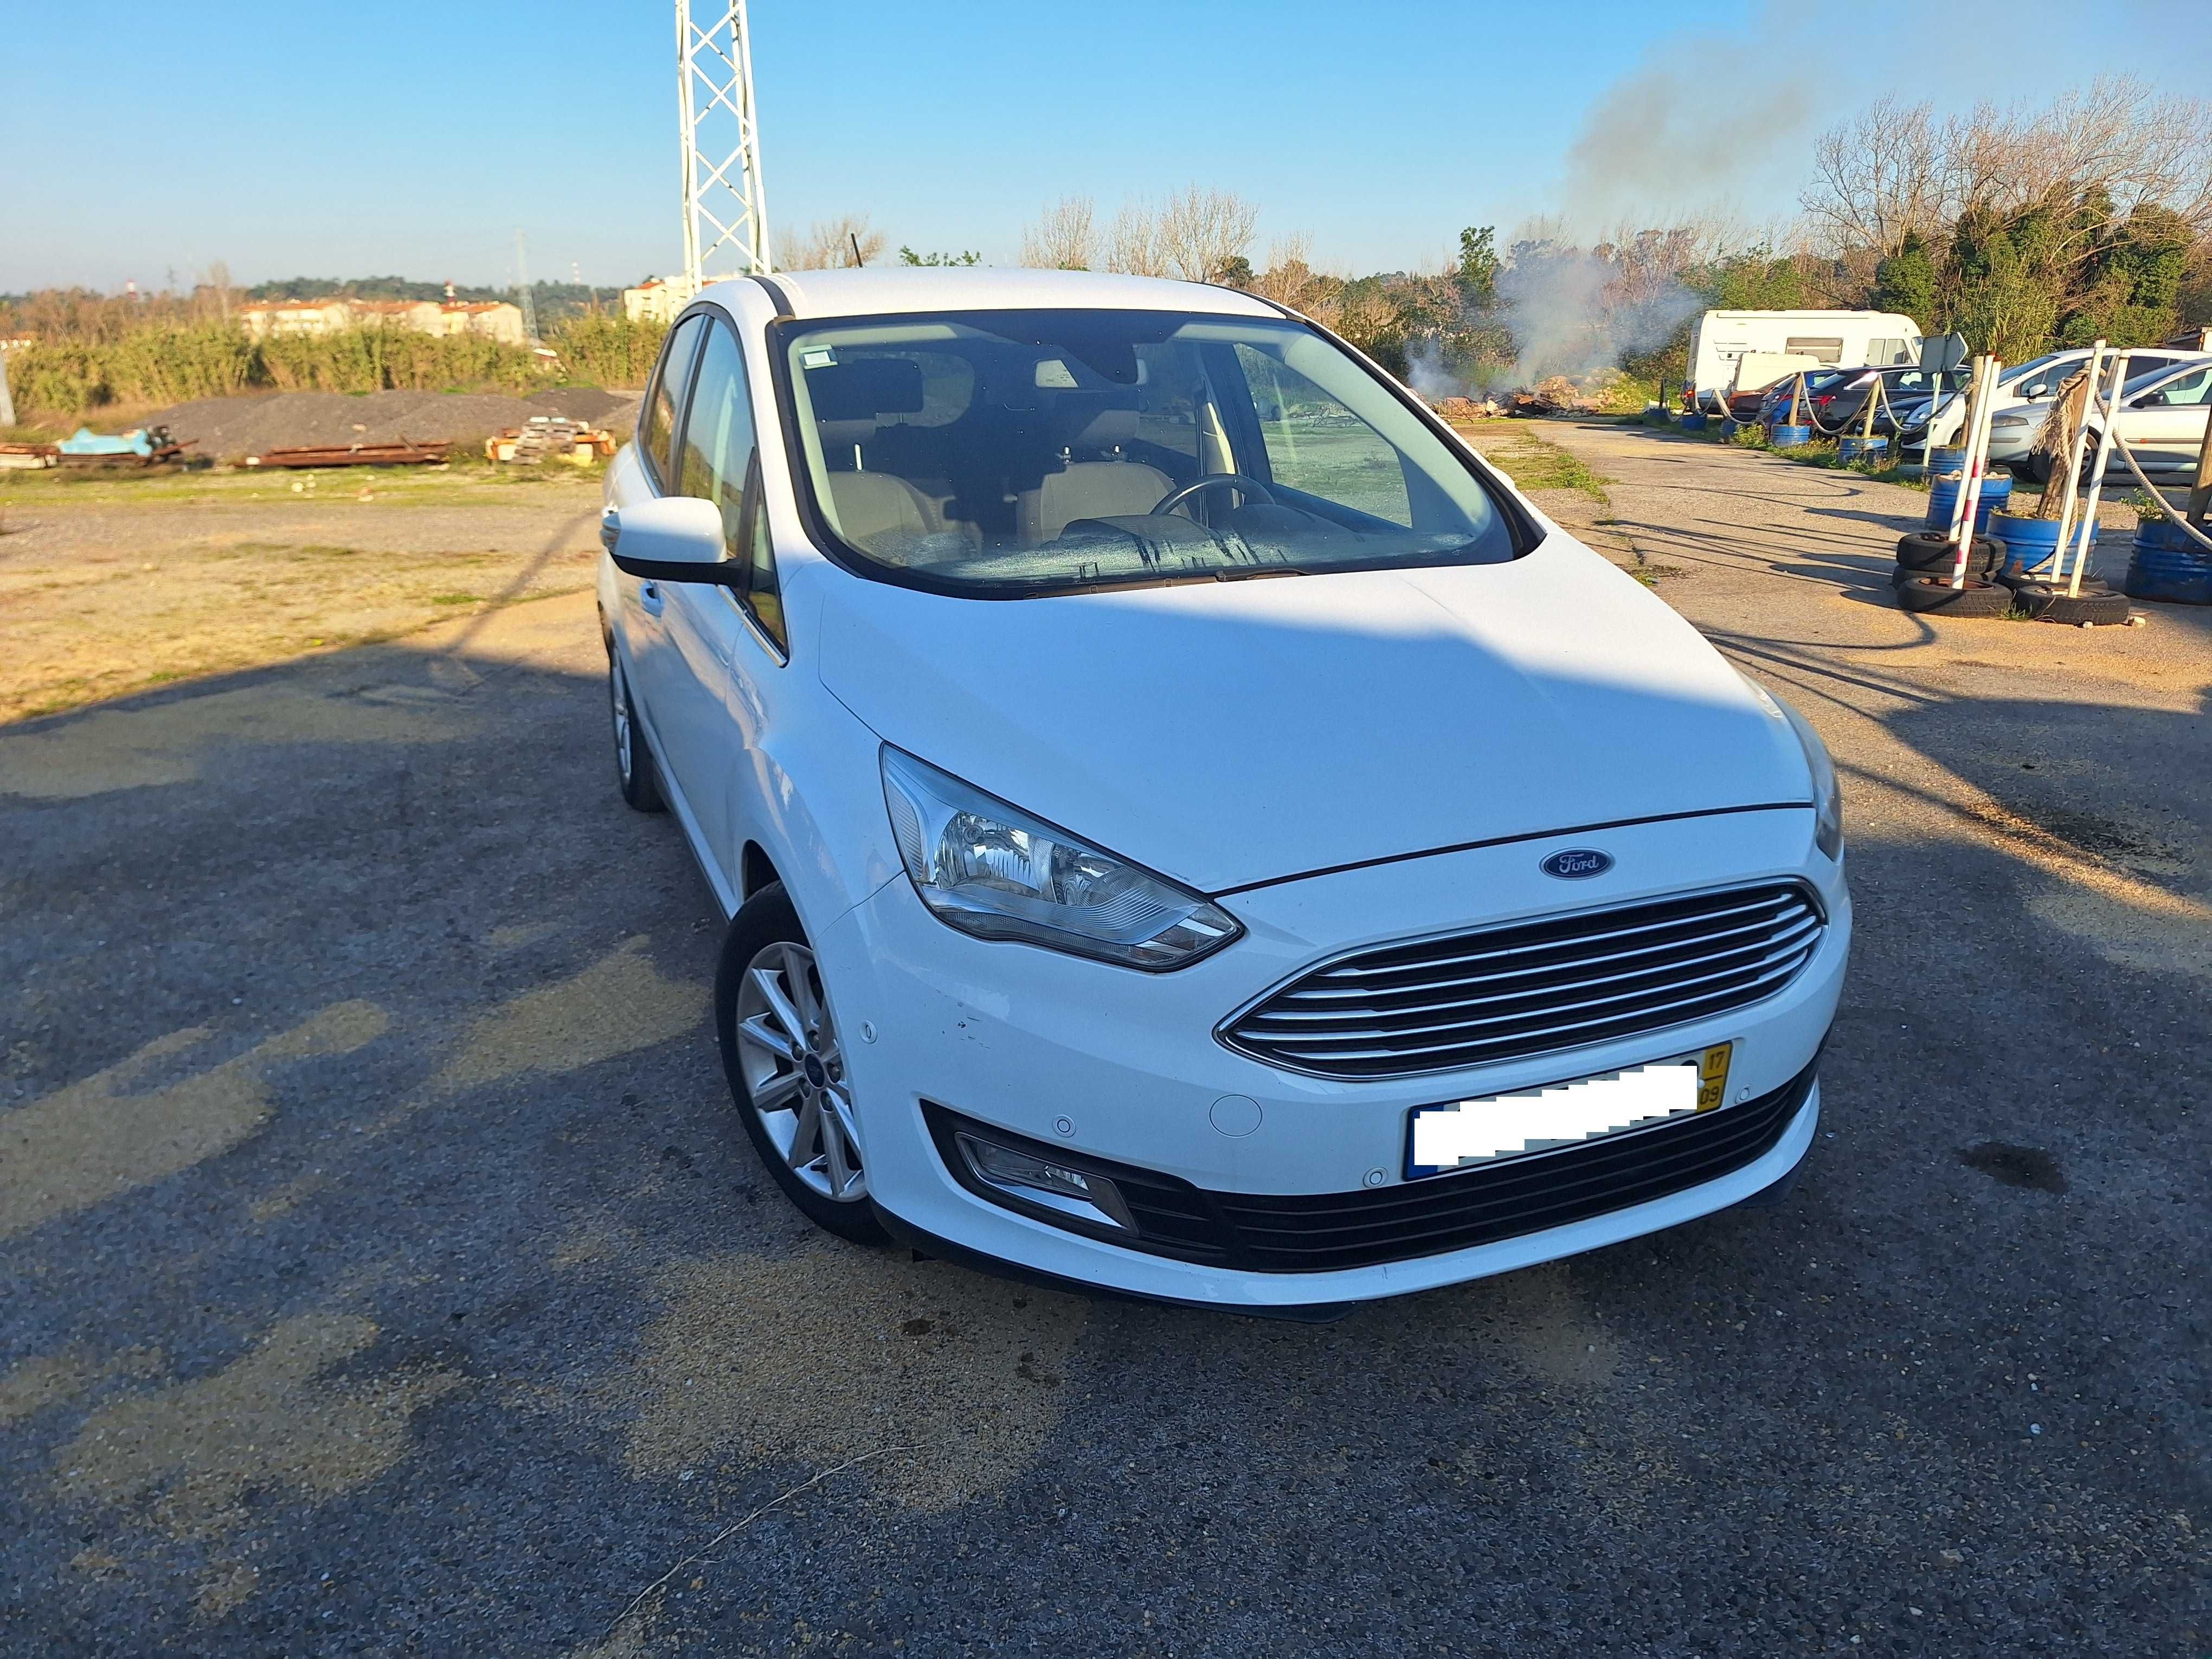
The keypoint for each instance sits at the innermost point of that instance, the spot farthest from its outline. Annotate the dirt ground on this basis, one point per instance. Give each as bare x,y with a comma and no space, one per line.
227,430
382,1270
110,585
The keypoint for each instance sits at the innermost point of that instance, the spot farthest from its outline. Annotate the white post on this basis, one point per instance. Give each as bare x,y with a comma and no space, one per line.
1976,450
6,403
2097,476
2069,495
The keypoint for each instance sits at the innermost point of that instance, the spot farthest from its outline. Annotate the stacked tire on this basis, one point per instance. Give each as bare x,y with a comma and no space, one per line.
2095,607
1925,562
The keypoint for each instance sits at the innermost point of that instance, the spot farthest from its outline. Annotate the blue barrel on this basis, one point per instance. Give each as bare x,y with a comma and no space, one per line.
1943,498
1851,449
1731,426
2031,543
1693,420
1784,436
1947,457
2165,564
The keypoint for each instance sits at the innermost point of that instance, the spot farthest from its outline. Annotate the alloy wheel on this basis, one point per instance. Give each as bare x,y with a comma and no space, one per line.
618,698
794,1072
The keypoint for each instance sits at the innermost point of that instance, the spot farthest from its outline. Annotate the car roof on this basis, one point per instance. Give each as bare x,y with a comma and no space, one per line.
894,288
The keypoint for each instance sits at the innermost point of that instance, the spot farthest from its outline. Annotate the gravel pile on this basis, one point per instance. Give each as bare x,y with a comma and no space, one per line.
228,428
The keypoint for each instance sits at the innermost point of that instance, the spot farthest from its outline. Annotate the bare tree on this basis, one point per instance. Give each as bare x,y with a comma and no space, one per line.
828,245
218,283
1291,281
1878,176
1065,238
1201,231
1894,168
1138,246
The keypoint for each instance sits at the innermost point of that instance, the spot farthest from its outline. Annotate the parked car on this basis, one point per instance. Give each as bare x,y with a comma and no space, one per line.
1773,403
1842,407
1720,340
2162,416
2020,387
1186,824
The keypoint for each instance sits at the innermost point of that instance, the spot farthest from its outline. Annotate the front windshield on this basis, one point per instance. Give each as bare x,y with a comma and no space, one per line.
1041,451
2029,366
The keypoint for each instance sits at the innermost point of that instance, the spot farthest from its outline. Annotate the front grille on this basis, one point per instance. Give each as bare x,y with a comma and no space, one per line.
1534,987
1262,1232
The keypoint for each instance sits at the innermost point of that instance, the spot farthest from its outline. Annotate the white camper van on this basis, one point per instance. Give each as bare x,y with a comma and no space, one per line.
1842,339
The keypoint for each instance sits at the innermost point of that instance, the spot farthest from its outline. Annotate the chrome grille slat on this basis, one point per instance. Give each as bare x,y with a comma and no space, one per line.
1795,936
1555,983
1564,942
1333,994
1779,977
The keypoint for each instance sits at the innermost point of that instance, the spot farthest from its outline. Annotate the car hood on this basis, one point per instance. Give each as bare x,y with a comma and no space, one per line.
1227,733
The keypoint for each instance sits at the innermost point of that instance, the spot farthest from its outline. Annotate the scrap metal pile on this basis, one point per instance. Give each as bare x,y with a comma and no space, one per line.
405,453
146,445
1553,395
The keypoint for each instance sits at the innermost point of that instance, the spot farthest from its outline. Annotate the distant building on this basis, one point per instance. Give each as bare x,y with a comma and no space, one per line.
656,300
495,319
263,317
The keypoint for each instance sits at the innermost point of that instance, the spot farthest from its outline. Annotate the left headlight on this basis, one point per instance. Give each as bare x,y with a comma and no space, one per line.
990,869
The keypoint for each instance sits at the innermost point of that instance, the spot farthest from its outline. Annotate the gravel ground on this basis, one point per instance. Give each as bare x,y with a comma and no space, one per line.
228,429
386,1276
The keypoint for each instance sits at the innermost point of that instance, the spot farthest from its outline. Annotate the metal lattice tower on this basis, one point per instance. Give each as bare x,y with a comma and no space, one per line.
725,208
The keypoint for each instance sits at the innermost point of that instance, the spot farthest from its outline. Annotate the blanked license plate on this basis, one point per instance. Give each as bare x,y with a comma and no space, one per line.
1459,1134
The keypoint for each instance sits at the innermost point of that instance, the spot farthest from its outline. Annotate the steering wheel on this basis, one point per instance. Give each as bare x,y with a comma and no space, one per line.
1253,490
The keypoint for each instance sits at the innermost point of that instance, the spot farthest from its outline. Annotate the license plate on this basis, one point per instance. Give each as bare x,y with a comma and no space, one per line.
1459,1134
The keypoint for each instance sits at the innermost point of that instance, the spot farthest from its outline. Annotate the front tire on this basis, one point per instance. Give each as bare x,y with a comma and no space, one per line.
782,1054
634,773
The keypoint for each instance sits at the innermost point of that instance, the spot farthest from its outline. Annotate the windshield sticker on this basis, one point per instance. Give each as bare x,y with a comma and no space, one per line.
818,357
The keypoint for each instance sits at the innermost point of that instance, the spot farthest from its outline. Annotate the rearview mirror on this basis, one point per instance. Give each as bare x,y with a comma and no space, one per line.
671,538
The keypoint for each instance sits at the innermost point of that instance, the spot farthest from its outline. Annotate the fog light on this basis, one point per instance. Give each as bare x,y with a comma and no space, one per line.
1040,1181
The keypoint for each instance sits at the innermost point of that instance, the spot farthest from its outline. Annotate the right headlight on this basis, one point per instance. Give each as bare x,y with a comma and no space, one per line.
988,868
1827,796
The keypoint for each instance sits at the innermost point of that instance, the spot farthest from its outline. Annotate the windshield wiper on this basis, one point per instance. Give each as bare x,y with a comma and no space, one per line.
1245,573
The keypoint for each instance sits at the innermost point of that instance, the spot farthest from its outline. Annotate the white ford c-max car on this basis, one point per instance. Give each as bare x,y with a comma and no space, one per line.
1190,827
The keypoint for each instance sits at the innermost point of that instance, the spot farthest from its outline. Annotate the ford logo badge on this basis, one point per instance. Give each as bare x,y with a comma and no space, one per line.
1577,863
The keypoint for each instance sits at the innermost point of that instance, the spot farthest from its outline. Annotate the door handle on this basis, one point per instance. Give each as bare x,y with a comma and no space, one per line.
649,599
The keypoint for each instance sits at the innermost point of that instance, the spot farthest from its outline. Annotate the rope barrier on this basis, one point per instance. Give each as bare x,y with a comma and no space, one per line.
2127,455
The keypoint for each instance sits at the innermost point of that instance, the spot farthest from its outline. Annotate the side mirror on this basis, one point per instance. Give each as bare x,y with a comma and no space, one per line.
672,538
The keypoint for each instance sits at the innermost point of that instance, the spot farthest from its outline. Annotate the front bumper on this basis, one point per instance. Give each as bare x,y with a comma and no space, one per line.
1125,1068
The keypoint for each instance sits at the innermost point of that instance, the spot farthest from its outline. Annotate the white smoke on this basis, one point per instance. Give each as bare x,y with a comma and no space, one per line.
1579,311
1428,374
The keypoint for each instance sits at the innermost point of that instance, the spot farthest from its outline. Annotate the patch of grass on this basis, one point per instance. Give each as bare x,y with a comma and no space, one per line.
1534,462
456,599
1881,469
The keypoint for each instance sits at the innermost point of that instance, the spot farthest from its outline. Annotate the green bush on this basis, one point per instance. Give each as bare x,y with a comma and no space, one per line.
601,350
171,363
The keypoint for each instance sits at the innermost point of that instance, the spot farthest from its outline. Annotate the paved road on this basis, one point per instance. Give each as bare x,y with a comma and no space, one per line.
383,1275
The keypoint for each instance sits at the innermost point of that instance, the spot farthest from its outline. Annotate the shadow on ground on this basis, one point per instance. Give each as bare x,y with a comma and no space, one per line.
383,1273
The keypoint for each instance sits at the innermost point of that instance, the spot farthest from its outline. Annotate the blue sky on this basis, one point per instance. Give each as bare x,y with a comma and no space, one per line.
416,138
